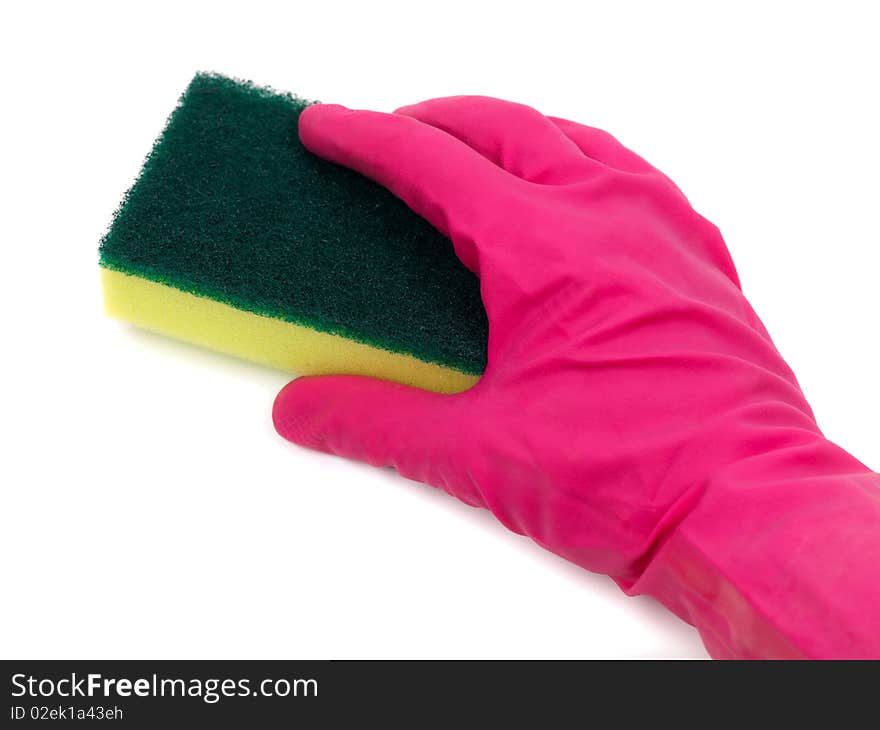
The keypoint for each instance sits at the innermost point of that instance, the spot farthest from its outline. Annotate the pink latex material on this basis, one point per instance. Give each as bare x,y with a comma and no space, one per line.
634,417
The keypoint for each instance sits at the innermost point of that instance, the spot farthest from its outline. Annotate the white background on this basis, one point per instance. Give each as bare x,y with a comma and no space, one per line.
148,508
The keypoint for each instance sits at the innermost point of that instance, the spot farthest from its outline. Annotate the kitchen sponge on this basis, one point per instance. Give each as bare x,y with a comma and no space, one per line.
237,238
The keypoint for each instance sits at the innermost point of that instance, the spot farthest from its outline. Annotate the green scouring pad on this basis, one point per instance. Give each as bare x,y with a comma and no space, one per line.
236,237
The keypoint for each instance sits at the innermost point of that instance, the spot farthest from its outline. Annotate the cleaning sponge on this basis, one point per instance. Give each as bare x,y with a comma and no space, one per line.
237,238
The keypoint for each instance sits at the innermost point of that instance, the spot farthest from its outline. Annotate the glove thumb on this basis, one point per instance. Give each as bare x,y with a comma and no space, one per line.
375,421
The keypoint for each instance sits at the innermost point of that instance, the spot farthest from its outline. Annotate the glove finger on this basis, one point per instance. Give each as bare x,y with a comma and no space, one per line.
446,182
514,136
375,421
598,144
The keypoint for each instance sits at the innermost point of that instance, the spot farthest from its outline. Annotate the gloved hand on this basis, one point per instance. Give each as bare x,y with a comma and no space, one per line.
634,416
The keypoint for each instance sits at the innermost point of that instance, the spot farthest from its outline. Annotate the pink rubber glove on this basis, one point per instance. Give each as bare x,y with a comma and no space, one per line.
634,416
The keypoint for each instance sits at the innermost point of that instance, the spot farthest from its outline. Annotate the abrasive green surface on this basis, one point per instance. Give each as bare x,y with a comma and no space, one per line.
231,206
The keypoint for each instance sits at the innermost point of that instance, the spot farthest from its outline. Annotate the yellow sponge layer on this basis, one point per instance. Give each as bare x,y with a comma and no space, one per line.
274,342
